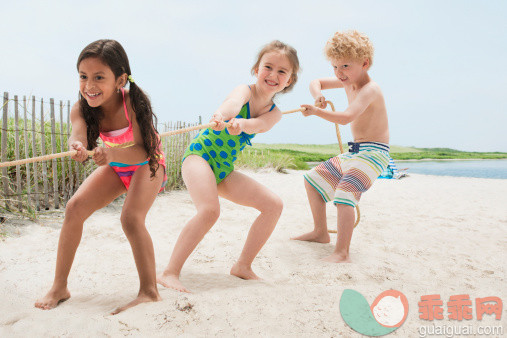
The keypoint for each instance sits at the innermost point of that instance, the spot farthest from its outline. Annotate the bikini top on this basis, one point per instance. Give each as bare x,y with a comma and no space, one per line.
119,136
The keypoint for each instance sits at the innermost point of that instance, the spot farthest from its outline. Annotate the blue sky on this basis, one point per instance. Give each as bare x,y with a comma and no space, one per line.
441,64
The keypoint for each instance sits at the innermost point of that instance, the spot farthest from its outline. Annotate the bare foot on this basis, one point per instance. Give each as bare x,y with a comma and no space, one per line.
172,282
52,299
244,272
141,298
314,236
337,258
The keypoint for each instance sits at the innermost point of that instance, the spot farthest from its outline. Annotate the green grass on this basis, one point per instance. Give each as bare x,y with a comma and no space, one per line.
278,160
322,148
296,156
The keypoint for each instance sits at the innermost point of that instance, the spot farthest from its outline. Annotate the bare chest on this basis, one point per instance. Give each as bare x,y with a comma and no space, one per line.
257,110
114,121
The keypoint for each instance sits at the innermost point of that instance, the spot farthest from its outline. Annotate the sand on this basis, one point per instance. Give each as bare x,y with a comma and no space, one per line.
420,235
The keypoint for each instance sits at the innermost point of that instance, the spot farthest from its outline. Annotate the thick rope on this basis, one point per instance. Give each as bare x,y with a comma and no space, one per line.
124,145
91,152
170,133
42,158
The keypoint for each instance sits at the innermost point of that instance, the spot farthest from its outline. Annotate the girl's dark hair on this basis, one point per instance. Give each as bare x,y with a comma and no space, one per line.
113,55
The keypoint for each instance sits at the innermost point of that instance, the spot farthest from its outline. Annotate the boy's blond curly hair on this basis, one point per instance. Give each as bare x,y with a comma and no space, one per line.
349,45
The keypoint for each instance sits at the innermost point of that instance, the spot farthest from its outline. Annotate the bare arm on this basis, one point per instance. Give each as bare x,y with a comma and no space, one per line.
261,124
78,123
234,101
78,139
317,85
364,98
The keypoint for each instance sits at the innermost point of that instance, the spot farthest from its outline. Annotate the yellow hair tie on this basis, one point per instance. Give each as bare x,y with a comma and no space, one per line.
131,79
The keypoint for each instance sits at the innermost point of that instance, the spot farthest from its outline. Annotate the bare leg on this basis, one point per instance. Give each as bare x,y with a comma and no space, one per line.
318,207
244,190
202,186
141,194
97,191
346,218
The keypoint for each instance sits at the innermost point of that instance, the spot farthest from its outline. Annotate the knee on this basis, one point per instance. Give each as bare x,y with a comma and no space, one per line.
76,209
131,222
273,205
210,213
342,207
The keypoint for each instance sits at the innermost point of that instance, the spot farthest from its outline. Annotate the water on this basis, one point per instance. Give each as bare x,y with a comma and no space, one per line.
480,168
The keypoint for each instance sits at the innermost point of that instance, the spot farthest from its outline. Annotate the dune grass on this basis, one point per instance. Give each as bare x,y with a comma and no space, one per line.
297,156
269,158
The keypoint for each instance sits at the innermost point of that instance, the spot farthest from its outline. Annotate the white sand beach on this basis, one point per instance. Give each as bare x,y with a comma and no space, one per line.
420,235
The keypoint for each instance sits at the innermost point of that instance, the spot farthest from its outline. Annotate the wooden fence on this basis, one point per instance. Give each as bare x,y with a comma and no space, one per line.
34,127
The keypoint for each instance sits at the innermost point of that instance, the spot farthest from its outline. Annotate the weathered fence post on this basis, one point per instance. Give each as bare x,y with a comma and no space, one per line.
27,155
16,152
5,120
43,152
164,148
63,160
34,154
56,195
71,173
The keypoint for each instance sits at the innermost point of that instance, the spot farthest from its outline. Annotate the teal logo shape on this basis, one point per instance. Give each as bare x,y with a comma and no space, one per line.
387,312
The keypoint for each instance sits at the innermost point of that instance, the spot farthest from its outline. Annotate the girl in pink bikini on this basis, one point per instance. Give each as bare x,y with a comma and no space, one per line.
117,116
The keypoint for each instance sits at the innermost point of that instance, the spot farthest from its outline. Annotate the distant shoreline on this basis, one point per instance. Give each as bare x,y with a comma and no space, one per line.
317,153
297,156
451,159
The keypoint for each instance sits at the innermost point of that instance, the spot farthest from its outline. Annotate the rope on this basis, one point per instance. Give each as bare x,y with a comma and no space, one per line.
124,145
293,111
170,133
42,158
91,152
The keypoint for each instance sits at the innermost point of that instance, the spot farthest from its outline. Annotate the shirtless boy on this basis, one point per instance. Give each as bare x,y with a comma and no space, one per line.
342,179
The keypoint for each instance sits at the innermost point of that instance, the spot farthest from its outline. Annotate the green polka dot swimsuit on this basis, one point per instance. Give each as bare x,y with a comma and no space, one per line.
219,148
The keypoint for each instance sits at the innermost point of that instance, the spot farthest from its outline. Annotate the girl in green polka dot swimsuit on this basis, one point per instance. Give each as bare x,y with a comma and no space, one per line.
219,148
208,164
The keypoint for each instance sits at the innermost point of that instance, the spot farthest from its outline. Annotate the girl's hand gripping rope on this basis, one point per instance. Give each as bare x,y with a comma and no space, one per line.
236,126
82,154
101,156
219,120
308,110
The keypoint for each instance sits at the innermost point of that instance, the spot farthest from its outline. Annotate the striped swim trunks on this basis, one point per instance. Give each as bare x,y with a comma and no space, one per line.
345,177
